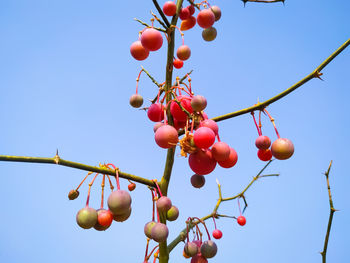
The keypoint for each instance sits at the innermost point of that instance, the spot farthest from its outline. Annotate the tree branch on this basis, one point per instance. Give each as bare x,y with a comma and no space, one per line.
57,160
330,220
260,106
182,235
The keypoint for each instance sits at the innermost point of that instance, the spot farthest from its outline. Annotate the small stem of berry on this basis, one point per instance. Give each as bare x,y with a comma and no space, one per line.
102,189
256,125
214,221
90,184
160,192
83,181
273,122
110,183
239,207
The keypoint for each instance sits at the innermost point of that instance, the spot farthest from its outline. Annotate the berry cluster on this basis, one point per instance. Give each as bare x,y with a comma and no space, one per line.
150,38
281,148
119,205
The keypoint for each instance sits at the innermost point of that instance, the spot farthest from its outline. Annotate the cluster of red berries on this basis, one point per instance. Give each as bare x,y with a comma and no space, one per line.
151,39
155,229
281,148
119,207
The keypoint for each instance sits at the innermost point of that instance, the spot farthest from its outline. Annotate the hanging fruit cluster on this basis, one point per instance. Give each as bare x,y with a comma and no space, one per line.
119,204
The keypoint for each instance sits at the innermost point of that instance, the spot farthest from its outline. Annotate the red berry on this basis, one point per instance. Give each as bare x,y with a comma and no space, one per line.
138,51
104,217
131,187
263,142
202,162
221,151
184,13
178,63
191,9
151,39
177,112
282,149
217,234
204,137
155,112
169,8
205,18
210,124
241,220
183,52
166,136
230,161
264,155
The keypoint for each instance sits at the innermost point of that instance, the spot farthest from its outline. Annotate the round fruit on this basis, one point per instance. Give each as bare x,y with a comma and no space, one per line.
204,137
241,220
282,149
169,8
264,155
209,34
205,18
178,63
191,9
202,162
184,13
217,234
163,204
138,51
209,249
119,202
191,249
210,124
166,136
131,187
104,219
151,39
155,112
73,194
136,100
172,214
263,142
157,125
199,259
86,217
197,180
198,103
148,228
220,151
122,217
183,52
217,12
159,232
177,112
231,161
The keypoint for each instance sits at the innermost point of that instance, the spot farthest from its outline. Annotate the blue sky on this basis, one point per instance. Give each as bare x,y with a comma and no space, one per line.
66,78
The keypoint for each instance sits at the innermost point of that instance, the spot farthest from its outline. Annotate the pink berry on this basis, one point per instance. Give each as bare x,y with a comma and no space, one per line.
138,51
151,39
204,137
191,9
155,112
282,149
205,18
166,136
263,142
210,124
264,155
198,103
184,13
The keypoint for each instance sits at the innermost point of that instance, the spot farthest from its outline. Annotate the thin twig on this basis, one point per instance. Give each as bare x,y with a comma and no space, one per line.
160,11
330,220
147,25
150,76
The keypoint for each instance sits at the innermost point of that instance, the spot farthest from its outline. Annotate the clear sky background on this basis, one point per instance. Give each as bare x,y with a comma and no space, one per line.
66,76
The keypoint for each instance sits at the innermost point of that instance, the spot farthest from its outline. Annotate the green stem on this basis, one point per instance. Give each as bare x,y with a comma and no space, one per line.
262,105
57,160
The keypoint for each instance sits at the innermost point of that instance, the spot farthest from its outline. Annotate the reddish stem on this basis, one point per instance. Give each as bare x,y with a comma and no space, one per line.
110,182
153,206
203,223
273,122
83,181
103,187
214,222
90,184
239,207
137,81
256,125
260,125
160,192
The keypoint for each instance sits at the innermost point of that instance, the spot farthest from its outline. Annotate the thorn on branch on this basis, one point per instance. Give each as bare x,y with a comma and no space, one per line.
318,75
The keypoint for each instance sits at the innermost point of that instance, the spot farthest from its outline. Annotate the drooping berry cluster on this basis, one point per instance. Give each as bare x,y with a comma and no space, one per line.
119,205
281,148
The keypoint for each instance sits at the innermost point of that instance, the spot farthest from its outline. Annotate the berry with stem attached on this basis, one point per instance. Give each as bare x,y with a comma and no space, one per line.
282,148
138,51
202,162
178,63
205,18
230,161
264,155
169,8
241,220
151,39
183,52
